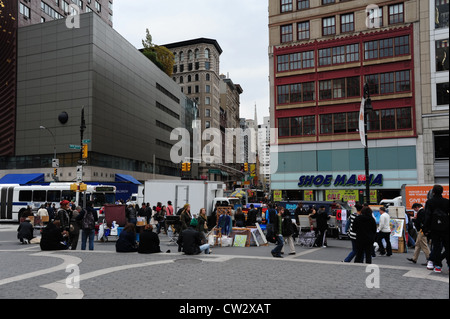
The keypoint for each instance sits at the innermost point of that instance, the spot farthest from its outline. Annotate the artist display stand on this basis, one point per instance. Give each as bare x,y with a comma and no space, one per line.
238,236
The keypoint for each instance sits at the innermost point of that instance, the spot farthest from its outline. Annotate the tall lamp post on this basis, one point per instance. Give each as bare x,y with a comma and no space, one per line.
367,108
55,160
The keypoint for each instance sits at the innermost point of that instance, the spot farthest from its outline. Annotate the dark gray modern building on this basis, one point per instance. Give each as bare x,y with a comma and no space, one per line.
130,105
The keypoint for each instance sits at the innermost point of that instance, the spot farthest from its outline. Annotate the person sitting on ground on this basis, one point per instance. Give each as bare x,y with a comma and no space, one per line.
190,240
148,241
25,231
127,240
53,238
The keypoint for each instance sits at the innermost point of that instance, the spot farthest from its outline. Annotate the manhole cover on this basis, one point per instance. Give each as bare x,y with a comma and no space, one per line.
188,261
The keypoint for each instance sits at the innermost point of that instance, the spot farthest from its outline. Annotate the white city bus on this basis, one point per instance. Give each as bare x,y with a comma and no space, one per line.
14,197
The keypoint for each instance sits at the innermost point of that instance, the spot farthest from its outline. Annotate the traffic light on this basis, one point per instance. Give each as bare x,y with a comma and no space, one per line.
85,151
186,167
246,167
55,171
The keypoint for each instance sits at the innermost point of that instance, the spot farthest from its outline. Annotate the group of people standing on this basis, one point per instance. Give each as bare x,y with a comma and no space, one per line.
431,224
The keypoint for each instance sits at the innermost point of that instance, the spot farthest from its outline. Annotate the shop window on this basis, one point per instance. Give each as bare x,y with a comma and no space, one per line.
442,92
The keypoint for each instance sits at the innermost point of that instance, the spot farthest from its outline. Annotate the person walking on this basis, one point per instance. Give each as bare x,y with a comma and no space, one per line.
437,226
88,218
351,232
288,231
75,226
322,218
365,229
276,222
384,233
421,241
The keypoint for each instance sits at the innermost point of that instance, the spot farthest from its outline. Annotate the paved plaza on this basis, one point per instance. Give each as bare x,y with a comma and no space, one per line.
228,273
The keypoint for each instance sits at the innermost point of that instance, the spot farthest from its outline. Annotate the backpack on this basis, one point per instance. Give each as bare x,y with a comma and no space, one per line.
88,221
439,220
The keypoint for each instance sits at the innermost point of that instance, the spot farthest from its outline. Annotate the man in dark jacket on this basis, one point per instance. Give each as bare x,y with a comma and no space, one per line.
53,238
251,216
25,231
322,218
190,240
365,229
437,225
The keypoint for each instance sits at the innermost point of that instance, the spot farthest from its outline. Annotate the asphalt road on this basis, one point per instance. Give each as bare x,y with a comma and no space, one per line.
229,273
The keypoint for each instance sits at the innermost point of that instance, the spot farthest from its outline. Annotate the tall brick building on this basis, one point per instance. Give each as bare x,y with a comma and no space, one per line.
322,53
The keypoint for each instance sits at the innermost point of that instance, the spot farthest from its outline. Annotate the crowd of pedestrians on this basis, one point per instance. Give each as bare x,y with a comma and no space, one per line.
64,225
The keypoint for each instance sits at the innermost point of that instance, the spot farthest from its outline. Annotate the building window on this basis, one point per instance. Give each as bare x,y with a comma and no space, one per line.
441,19
404,118
441,145
329,26
324,2
325,90
326,123
295,93
442,55
442,90
402,81
286,5
339,88
302,4
307,59
347,23
303,30
286,33
297,126
325,57
396,13
386,83
388,119
338,55
386,48
295,61
283,127
24,10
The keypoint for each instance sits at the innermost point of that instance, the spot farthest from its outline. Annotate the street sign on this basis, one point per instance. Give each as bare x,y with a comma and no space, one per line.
82,162
75,147
86,141
79,174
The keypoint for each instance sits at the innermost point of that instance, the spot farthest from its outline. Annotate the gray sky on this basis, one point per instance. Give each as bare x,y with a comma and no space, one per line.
239,26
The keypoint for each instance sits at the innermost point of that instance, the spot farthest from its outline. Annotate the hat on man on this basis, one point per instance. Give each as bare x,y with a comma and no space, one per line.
194,222
64,202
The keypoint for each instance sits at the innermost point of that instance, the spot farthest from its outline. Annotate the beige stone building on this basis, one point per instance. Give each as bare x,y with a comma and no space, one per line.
197,71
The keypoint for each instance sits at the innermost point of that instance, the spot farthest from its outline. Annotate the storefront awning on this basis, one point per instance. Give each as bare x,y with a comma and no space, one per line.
22,179
127,179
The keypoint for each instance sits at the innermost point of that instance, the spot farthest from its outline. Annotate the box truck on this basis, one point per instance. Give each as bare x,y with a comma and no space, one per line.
413,194
199,194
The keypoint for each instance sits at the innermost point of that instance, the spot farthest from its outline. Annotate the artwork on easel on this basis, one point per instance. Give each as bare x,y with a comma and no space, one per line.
261,233
240,241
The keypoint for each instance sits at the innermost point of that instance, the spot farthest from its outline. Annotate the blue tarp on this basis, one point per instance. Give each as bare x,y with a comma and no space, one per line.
22,179
127,178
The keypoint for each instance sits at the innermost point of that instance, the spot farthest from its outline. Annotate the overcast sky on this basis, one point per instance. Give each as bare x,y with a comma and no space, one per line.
239,26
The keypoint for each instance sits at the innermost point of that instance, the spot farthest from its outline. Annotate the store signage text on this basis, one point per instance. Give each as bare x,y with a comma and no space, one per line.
340,180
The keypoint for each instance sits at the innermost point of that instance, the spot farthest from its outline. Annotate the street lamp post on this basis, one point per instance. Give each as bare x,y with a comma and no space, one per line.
55,160
367,109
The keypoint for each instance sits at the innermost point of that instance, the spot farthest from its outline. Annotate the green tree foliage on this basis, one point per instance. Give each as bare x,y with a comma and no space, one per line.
160,55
